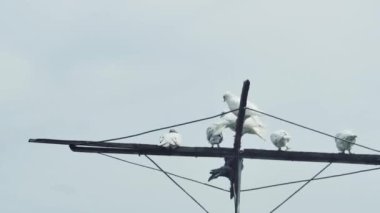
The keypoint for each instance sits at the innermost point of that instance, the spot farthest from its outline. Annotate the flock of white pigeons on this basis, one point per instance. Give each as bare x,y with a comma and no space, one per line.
252,125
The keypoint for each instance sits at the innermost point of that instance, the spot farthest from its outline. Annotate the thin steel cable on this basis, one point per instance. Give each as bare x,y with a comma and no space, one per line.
317,178
159,129
170,173
311,129
249,189
299,189
200,205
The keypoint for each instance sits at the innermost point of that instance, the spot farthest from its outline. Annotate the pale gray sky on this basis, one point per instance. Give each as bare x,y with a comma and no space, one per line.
101,69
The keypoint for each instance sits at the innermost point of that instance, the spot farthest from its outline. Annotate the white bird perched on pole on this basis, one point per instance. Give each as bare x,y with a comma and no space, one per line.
171,139
214,133
233,103
348,139
251,125
280,139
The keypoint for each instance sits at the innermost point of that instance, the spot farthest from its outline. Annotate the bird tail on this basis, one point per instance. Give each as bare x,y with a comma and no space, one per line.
215,173
260,136
261,133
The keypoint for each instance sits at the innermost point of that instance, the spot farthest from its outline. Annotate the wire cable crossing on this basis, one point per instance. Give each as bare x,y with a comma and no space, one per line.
311,129
162,128
249,189
170,173
299,189
177,184
317,178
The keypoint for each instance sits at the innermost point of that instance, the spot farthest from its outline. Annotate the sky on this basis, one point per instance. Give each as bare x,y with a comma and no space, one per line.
93,70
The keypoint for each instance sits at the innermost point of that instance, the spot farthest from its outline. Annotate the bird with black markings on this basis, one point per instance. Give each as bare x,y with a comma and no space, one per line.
227,170
214,134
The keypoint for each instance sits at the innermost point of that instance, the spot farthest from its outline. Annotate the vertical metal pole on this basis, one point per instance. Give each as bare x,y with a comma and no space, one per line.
237,145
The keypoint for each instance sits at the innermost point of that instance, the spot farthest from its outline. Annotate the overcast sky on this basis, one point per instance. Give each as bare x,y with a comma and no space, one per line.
95,69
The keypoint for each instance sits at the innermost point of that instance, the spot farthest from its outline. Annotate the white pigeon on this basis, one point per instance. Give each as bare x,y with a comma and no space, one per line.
214,133
171,139
344,145
233,103
280,139
251,125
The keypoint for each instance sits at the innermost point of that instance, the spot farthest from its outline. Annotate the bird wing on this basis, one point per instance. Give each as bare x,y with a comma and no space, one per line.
340,135
162,138
218,127
230,120
253,125
163,141
209,132
253,106
235,104
176,139
275,137
260,132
